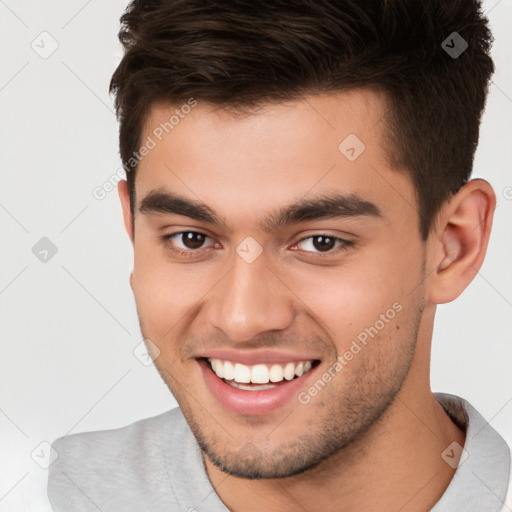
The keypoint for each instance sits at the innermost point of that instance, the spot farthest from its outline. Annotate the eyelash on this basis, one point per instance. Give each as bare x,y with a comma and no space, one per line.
345,244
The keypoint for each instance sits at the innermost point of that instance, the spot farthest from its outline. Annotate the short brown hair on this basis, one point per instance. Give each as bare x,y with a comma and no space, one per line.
243,53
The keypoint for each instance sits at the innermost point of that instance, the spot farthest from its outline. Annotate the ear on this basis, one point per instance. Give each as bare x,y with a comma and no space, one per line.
458,242
124,196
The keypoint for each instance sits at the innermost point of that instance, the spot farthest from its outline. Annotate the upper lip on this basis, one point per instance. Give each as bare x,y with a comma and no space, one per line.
250,358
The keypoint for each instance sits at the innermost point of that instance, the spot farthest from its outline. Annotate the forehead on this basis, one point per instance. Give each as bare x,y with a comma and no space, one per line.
319,122
273,154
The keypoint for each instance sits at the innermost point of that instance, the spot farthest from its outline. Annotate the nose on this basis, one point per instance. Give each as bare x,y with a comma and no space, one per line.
250,300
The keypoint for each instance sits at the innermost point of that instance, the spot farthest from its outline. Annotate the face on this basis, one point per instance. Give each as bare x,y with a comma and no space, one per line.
277,274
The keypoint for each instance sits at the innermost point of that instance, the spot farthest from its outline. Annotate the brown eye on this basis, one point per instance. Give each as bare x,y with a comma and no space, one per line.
192,239
186,243
321,243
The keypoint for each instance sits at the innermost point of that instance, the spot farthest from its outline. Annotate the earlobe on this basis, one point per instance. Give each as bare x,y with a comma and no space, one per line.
460,240
124,197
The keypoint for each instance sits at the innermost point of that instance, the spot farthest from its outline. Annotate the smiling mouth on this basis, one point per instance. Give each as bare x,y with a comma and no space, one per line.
259,377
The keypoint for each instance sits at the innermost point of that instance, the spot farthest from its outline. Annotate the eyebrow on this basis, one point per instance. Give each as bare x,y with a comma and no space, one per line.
322,207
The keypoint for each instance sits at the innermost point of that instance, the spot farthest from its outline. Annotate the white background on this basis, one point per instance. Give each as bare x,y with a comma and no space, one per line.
69,326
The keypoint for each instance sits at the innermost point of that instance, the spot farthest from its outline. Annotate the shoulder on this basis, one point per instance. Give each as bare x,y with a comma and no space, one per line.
137,436
91,467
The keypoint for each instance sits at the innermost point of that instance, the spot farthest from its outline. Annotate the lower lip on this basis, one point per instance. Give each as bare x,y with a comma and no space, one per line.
254,403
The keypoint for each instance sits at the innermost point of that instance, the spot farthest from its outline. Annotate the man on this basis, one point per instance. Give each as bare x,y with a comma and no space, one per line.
299,202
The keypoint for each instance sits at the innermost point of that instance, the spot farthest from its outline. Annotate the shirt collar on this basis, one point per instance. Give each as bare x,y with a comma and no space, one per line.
479,484
482,478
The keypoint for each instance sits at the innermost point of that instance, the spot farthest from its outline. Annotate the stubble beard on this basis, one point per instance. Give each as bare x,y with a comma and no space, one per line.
347,413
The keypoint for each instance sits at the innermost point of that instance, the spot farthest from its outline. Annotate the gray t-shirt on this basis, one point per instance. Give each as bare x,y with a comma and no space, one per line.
155,465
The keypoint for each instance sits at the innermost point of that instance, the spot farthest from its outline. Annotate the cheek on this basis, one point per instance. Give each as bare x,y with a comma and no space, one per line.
347,300
164,292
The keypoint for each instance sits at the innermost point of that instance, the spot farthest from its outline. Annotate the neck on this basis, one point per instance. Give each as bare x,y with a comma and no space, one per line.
394,465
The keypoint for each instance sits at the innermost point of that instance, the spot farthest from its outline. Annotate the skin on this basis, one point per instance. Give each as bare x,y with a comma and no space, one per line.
372,438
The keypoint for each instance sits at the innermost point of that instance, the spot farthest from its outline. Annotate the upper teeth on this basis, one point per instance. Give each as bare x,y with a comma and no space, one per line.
259,373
